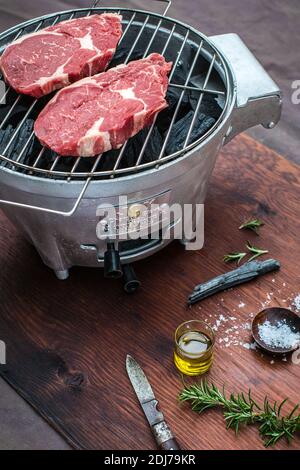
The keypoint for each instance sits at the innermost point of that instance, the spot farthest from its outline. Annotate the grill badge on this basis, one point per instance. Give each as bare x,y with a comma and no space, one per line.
133,220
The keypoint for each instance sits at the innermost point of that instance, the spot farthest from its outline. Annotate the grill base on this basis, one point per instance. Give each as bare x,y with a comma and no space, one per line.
66,242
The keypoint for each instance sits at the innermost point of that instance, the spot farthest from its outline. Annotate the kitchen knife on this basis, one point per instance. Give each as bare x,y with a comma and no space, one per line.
146,397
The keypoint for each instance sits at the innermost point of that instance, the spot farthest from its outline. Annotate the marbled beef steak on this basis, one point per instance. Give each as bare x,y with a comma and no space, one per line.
52,58
100,113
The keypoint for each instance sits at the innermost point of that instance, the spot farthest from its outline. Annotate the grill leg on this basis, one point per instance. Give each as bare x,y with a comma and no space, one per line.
130,281
62,275
196,235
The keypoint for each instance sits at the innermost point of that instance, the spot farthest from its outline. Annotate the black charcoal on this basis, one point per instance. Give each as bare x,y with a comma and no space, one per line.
122,53
165,117
180,129
5,136
209,104
108,160
136,143
20,141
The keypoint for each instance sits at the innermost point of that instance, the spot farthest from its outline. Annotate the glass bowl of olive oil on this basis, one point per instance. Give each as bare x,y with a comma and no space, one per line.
194,345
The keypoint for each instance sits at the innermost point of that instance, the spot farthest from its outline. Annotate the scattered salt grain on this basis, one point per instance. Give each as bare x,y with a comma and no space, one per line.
272,362
278,335
249,345
241,305
222,318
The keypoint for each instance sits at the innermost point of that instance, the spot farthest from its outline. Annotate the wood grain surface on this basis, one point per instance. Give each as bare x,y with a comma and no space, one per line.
67,341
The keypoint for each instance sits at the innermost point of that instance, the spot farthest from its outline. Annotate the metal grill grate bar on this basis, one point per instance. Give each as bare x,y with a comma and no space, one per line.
155,117
25,147
135,23
180,101
199,89
41,153
10,111
77,161
199,102
136,40
118,161
127,27
19,128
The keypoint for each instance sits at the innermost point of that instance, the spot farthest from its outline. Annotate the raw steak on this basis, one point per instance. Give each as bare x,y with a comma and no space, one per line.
52,58
100,113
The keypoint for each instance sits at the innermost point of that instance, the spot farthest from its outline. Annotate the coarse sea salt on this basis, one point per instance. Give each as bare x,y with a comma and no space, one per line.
296,303
278,335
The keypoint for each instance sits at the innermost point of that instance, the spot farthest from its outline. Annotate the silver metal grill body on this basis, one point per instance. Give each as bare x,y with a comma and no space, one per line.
55,203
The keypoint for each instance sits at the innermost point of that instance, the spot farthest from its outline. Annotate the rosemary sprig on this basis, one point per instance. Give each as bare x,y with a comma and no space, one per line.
253,224
256,251
241,409
234,256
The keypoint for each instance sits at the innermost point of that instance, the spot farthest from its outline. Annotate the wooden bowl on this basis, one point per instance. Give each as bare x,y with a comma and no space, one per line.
274,315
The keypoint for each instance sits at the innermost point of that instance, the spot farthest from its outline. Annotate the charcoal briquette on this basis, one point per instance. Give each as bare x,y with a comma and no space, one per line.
136,143
209,104
180,129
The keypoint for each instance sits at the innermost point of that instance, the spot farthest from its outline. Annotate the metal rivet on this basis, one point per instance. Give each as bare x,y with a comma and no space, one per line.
271,125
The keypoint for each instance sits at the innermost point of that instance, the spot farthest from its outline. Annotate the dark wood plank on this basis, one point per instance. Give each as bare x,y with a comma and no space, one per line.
67,341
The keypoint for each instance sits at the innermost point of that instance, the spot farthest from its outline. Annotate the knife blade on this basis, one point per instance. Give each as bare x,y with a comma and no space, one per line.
161,431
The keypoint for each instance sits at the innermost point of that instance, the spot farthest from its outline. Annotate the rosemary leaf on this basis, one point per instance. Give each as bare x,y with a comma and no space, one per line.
256,251
241,409
252,224
234,256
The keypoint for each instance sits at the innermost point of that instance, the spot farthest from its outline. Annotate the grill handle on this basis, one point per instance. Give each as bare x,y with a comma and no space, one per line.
258,99
169,3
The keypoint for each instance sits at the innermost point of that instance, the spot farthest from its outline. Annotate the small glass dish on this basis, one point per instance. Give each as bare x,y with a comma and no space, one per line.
194,347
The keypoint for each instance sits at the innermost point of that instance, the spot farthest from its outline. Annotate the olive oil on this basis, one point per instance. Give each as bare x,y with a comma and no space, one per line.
193,353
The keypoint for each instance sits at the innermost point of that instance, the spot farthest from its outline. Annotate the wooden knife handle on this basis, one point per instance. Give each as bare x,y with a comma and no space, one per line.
171,444
164,437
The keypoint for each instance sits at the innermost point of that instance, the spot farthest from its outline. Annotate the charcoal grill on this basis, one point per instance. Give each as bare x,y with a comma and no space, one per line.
54,199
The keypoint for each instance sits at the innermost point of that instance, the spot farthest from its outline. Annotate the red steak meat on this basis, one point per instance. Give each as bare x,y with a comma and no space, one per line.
100,113
54,57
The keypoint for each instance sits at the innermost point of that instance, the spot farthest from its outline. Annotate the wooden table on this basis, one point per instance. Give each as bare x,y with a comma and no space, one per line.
67,341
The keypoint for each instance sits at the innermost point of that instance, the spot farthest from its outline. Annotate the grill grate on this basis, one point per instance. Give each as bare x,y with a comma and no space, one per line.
143,32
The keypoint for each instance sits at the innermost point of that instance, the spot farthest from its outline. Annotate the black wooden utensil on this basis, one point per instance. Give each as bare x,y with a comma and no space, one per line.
245,273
